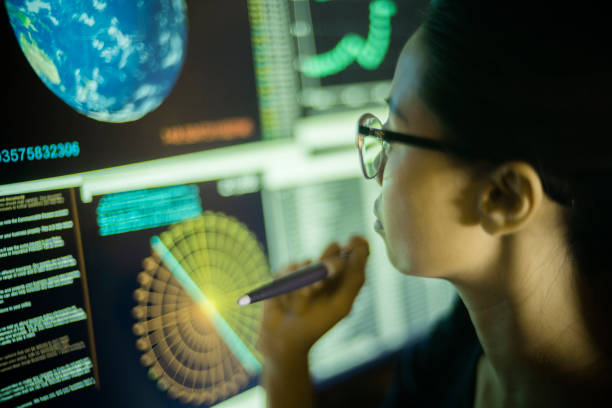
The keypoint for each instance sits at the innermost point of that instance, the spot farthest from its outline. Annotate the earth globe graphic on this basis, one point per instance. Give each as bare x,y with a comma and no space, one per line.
111,60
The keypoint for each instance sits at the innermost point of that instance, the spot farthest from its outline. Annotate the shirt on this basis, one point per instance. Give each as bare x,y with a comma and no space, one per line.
439,370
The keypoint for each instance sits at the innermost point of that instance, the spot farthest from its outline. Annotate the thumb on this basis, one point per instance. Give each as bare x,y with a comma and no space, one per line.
353,275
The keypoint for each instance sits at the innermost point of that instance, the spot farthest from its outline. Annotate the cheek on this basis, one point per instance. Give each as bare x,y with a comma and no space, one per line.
420,221
400,216
406,226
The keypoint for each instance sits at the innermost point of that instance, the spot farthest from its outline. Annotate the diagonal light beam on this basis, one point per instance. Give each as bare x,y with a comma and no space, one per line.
231,339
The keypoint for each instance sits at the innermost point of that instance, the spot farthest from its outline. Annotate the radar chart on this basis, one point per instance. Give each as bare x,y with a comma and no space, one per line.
199,345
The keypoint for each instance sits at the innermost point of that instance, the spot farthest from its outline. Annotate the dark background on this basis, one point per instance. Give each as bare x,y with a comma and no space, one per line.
44,301
334,19
217,81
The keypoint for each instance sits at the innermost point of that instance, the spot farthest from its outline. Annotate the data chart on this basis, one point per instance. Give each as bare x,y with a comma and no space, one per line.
198,344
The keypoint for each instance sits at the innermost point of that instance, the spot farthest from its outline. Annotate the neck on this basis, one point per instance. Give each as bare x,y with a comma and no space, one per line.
528,319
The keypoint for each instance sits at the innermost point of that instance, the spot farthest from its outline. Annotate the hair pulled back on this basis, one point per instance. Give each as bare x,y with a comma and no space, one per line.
532,81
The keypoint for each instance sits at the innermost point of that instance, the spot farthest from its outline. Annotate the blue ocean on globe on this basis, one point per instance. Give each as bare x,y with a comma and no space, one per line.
111,60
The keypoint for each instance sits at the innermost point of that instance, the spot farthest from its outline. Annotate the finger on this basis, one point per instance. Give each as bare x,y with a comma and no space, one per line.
272,309
353,276
318,285
332,250
288,269
305,263
337,264
322,285
285,301
358,250
357,241
330,258
301,299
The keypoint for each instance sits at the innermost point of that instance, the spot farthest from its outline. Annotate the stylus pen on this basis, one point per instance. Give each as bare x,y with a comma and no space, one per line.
298,279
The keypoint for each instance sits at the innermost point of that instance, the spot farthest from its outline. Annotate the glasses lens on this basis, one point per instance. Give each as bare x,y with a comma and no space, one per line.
371,147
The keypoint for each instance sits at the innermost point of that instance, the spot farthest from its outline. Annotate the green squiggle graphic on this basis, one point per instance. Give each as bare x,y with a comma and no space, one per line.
368,53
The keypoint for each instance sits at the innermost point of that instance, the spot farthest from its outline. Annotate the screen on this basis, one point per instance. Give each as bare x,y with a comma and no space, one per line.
161,158
347,49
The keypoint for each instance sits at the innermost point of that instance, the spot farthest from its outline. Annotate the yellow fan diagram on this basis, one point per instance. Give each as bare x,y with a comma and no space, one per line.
199,345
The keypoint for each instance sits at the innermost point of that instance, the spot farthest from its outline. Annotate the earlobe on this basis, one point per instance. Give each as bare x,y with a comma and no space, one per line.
509,199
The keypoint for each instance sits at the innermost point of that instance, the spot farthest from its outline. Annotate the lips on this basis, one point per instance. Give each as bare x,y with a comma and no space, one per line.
378,227
375,209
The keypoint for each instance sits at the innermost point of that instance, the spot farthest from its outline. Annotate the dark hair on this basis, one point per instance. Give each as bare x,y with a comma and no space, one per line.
531,81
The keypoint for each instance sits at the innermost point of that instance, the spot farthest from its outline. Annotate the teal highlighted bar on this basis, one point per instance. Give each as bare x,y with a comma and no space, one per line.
231,339
137,210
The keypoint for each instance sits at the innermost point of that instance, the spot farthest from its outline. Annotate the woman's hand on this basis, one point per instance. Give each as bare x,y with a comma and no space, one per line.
293,322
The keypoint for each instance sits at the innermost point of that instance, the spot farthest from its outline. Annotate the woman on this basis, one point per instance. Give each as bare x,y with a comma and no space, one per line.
494,176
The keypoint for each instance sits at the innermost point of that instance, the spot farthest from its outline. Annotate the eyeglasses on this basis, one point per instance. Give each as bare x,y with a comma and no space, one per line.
373,142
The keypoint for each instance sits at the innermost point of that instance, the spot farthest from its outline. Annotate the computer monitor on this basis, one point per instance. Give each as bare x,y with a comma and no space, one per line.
128,229
346,50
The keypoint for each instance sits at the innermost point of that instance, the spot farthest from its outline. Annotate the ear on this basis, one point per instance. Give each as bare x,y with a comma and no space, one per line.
510,198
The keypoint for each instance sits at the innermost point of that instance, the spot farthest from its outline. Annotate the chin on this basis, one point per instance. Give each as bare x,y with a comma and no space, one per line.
400,263
404,265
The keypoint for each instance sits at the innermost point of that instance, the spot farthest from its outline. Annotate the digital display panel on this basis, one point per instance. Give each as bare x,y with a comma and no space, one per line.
132,217
347,49
45,136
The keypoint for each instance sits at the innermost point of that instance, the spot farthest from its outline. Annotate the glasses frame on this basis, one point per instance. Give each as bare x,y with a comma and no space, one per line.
404,138
431,144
